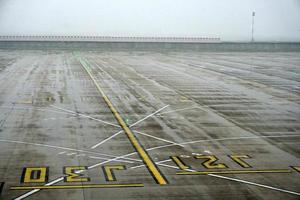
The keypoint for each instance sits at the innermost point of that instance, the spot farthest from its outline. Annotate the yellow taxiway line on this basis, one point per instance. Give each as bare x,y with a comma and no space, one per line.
235,172
76,186
159,178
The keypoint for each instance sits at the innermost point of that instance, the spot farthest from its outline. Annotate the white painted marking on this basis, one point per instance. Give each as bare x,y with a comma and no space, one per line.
223,139
158,138
61,152
86,116
178,110
63,148
143,119
196,154
78,155
101,158
227,178
59,118
158,147
185,156
255,184
37,108
159,162
107,139
113,159
51,118
116,134
27,194
48,110
62,178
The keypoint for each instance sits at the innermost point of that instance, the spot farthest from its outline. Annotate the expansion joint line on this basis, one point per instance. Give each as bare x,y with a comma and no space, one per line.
153,169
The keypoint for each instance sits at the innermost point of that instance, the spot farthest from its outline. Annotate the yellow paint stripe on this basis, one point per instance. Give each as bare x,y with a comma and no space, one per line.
179,163
160,179
108,173
76,186
235,172
297,168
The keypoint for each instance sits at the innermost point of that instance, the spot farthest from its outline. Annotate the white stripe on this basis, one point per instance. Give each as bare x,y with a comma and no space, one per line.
59,118
105,140
101,158
65,113
178,110
224,177
255,184
133,153
113,159
58,147
116,134
223,139
36,108
159,162
148,116
161,139
235,179
86,116
36,190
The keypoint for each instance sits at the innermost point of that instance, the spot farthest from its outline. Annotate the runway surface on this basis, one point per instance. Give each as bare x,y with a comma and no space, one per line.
149,125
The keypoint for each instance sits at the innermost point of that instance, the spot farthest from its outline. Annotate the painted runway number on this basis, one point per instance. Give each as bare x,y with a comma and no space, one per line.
210,162
109,171
239,160
74,174
35,175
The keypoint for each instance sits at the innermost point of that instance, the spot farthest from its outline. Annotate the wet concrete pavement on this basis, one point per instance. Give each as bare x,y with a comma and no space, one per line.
234,113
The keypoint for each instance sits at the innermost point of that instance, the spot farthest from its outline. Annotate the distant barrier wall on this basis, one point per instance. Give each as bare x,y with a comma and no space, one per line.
141,46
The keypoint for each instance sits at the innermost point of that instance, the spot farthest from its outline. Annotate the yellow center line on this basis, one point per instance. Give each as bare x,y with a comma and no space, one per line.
235,172
76,186
159,178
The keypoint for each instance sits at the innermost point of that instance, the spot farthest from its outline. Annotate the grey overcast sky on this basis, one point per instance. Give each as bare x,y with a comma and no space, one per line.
275,20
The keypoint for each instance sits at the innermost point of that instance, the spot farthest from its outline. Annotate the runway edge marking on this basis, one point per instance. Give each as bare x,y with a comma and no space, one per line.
153,169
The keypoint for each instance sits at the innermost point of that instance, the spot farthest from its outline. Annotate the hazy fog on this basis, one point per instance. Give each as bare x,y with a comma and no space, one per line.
228,19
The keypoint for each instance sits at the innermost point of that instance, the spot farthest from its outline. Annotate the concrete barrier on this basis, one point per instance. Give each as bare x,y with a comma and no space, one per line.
146,46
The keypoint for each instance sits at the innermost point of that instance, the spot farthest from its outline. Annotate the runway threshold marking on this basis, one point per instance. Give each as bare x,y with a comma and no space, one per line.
153,169
234,172
77,186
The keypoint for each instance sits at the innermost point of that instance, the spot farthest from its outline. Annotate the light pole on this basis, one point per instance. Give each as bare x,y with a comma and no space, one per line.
252,35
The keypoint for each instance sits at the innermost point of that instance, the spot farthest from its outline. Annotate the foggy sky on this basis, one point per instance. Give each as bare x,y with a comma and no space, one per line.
275,20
